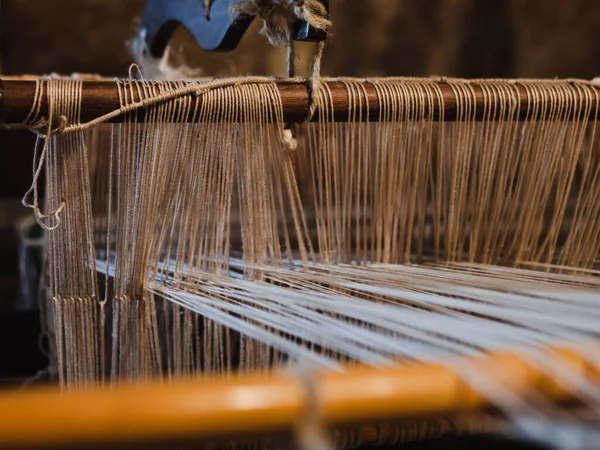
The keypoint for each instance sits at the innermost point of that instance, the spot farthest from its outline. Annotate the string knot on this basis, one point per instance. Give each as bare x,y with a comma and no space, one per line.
289,141
313,12
276,15
279,15
63,123
56,122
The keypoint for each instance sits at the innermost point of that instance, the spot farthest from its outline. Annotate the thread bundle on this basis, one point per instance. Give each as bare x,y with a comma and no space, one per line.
403,240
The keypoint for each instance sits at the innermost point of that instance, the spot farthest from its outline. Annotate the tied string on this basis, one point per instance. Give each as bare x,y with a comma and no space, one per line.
314,84
64,100
278,18
195,89
64,116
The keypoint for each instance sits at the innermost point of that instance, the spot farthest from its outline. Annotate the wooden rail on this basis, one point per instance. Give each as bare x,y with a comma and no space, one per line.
101,97
259,404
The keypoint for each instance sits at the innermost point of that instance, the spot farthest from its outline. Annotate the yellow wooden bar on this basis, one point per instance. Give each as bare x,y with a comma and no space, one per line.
211,408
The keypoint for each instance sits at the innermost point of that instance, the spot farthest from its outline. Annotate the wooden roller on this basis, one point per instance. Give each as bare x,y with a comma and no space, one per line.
260,404
101,97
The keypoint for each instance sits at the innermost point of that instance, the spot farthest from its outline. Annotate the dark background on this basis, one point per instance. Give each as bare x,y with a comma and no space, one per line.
463,38
468,38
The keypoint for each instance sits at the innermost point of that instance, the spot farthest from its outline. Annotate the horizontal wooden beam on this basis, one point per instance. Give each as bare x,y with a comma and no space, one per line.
260,404
101,97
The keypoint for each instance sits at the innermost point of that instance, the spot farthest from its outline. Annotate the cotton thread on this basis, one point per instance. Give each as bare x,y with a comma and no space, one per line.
278,17
310,432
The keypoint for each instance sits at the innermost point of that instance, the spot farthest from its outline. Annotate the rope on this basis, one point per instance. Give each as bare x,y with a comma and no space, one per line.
278,17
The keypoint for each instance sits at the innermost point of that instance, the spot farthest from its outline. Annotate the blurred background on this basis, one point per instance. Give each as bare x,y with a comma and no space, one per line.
462,38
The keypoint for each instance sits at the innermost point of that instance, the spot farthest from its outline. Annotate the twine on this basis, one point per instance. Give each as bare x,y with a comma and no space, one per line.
69,104
310,432
72,99
278,17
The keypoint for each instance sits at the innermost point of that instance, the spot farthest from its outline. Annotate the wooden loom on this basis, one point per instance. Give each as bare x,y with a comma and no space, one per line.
212,409
164,413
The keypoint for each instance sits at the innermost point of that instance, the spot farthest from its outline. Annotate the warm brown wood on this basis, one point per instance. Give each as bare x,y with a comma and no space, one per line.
100,97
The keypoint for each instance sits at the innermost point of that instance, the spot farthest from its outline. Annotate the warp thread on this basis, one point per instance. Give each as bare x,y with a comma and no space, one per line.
62,125
278,17
36,123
